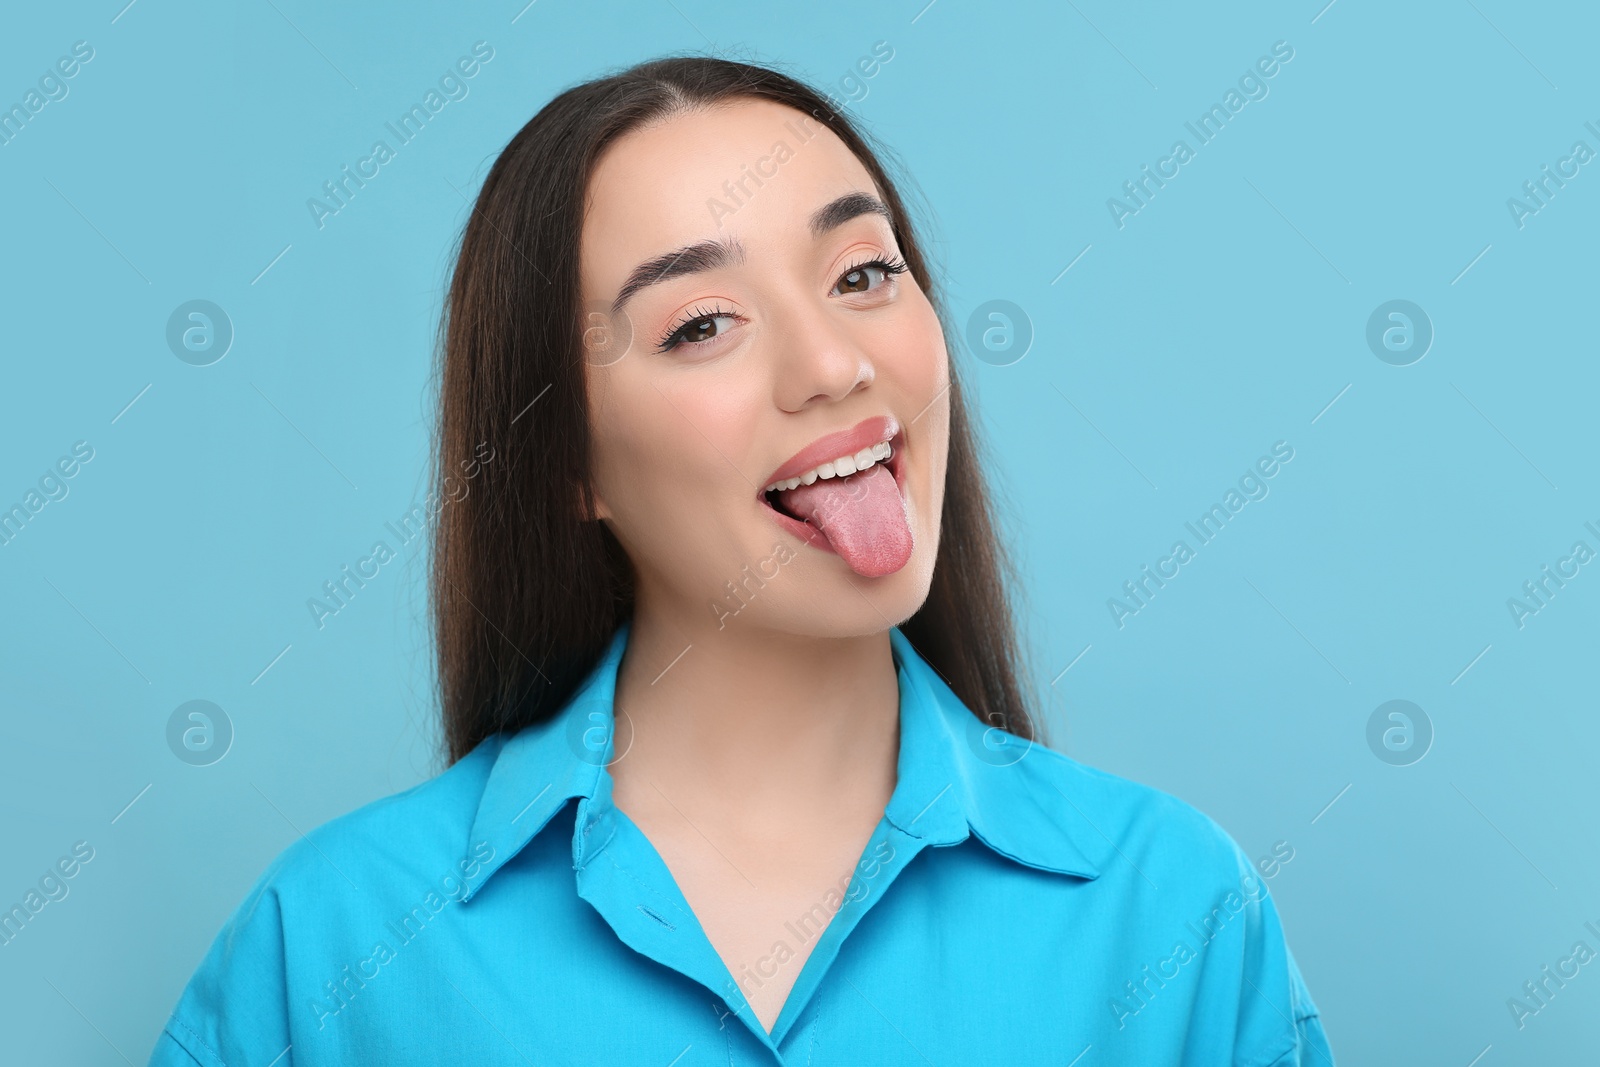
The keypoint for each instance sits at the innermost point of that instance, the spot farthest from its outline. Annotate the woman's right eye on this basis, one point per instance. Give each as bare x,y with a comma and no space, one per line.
698,330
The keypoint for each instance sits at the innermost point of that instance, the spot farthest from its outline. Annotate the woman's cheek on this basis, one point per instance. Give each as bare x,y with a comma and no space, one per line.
716,421
668,461
911,349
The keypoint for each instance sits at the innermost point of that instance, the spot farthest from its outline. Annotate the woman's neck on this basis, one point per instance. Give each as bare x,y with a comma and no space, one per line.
770,729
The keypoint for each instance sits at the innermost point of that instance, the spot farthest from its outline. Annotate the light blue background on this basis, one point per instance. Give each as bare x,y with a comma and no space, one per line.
1228,314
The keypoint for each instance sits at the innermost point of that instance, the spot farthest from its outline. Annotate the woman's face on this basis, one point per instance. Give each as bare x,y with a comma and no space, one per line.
728,370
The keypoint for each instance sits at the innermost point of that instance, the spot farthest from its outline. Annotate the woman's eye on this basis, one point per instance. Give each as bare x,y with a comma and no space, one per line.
698,330
859,279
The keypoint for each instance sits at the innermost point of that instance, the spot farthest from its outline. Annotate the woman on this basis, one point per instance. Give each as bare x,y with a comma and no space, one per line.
741,769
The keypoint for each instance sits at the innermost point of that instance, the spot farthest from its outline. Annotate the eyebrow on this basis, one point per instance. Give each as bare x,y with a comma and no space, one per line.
713,255
851,205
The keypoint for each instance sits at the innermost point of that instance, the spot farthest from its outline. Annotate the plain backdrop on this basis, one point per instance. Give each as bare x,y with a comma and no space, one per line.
1135,375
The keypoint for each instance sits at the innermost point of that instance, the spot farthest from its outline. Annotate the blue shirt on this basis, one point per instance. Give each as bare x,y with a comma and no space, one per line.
1012,906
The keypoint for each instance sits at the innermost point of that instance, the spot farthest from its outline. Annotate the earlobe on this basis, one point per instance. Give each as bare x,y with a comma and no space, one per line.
594,508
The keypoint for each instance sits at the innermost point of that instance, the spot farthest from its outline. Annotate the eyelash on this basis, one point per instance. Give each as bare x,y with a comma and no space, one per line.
890,266
669,341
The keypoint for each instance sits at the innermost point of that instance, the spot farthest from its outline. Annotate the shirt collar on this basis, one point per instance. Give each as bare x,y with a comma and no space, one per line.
956,775
963,774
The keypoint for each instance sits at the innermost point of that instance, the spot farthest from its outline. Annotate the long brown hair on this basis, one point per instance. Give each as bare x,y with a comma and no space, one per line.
525,595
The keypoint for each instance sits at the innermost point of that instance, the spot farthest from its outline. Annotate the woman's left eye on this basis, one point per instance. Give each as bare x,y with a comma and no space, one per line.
858,279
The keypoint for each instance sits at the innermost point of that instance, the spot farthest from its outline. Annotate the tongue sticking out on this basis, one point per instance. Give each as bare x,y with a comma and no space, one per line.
862,516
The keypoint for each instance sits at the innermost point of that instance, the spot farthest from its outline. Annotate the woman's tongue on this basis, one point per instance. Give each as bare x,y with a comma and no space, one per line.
862,515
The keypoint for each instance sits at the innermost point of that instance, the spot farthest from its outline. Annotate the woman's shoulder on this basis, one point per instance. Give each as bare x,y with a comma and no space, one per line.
1177,875
400,859
1102,814
418,833
1132,818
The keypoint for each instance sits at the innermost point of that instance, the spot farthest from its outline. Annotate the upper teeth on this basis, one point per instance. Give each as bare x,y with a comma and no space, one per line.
837,468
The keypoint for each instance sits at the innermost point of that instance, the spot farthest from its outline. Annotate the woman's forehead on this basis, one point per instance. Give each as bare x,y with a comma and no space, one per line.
753,169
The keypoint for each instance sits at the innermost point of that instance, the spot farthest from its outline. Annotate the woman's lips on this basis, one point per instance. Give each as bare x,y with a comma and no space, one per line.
808,533
829,447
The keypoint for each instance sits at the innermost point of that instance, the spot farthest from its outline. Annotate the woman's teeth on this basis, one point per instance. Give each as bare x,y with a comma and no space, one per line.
837,468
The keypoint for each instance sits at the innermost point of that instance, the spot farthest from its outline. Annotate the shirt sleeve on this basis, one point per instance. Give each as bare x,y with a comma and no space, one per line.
234,1012
1278,1025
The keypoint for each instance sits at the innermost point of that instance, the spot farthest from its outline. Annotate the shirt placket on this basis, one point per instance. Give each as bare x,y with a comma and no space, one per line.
625,880
623,877
869,884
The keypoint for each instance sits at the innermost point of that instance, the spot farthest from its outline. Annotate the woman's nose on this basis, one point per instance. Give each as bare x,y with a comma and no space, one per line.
818,359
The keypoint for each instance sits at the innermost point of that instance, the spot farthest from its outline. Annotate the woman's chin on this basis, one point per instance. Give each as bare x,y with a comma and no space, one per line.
822,597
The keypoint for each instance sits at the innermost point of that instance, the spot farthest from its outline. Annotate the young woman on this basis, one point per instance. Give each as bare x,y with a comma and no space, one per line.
741,770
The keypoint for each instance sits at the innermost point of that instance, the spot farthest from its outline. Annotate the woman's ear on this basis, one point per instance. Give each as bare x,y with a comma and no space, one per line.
592,507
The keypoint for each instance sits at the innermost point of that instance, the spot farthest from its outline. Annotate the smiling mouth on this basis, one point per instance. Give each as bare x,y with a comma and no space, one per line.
851,507
840,469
